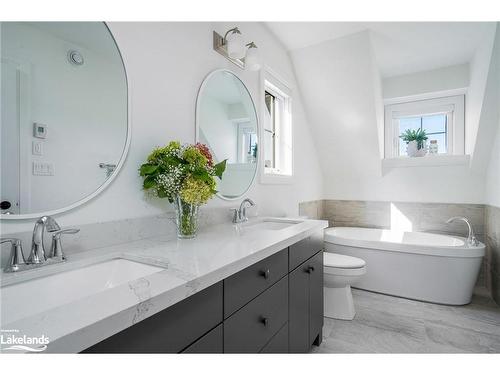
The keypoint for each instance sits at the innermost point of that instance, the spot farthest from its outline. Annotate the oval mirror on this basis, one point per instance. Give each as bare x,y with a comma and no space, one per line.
64,115
226,121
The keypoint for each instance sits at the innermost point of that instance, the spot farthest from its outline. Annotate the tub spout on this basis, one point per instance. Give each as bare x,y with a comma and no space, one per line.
471,238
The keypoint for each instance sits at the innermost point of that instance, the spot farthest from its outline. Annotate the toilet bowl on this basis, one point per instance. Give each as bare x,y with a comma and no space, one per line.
340,271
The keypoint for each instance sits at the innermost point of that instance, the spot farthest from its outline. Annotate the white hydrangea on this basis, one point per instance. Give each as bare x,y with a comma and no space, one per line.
171,181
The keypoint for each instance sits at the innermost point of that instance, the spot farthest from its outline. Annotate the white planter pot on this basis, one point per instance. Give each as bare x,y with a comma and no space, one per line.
413,151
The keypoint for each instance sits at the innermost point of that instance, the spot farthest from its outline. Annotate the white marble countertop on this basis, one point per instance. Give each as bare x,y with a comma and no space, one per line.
190,266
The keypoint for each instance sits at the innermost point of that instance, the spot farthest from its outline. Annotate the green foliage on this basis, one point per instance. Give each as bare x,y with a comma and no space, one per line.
418,135
181,170
219,168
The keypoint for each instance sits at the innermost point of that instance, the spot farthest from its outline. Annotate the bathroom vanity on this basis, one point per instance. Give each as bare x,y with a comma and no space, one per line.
273,306
249,288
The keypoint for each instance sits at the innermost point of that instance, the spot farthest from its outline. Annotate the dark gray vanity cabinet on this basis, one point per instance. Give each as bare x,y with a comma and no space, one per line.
273,306
306,301
171,330
211,343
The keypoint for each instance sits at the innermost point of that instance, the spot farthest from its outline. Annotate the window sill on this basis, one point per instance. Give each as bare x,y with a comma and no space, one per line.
426,161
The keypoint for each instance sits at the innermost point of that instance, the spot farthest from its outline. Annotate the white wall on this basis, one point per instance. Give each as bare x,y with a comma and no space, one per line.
165,76
479,67
493,176
339,92
448,78
493,171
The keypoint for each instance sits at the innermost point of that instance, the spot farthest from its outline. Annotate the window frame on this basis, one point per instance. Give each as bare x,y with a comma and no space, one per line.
276,86
452,106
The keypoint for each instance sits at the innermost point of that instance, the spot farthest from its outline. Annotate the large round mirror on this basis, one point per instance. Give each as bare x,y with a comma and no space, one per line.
64,115
226,121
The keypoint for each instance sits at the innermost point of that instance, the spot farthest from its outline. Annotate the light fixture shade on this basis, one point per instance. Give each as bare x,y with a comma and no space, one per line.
252,59
235,45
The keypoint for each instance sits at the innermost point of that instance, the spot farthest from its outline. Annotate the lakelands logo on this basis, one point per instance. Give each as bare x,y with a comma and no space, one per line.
11,340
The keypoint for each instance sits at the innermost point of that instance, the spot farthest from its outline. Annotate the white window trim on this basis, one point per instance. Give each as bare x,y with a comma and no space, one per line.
453,106
282,88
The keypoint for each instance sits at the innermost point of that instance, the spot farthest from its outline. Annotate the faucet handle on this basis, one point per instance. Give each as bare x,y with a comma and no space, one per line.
16,257
56,250
236,214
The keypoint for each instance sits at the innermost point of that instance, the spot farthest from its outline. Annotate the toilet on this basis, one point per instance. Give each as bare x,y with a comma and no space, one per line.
340,271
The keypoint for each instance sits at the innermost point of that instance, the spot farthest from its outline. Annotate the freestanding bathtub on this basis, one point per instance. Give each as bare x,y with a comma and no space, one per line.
422,266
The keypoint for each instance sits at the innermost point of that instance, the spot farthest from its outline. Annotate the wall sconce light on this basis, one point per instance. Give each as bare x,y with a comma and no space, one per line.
233,47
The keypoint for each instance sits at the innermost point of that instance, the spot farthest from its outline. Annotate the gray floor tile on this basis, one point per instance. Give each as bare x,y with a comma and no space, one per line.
386,324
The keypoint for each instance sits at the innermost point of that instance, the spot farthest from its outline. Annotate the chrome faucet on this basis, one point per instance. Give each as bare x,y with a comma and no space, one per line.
37,249
471,238
37,256
240,214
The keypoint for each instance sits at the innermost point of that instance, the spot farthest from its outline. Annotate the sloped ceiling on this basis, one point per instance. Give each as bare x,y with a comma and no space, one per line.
399,47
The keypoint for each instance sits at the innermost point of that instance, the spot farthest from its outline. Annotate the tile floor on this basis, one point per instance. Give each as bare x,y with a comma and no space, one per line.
385,324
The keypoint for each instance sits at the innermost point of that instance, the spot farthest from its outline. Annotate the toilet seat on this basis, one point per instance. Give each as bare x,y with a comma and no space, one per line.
343,265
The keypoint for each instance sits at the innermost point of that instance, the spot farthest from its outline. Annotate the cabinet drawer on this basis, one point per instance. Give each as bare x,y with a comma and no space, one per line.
170,330
210,343
279,343
242,287
249,329
303,250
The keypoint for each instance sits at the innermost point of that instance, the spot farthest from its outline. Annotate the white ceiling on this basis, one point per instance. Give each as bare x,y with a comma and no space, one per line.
399,47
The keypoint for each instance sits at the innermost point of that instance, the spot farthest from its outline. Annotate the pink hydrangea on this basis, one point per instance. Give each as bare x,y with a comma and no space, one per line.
205,152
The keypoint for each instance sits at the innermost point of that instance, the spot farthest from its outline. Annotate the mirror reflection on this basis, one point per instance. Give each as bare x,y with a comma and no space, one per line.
227,124
63,113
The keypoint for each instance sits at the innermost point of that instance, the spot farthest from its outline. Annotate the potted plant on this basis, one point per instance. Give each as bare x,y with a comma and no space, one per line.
185,175
415,141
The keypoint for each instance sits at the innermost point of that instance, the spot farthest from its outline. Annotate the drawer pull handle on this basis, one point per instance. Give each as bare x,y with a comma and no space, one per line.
310,269
265,274
265,321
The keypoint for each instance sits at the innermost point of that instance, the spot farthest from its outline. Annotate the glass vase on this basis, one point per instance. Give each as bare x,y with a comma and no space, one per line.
186,217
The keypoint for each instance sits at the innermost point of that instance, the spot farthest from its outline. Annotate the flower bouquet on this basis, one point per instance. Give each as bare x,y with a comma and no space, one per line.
185,175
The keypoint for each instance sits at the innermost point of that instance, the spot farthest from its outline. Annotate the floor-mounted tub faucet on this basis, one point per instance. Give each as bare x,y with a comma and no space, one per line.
471,238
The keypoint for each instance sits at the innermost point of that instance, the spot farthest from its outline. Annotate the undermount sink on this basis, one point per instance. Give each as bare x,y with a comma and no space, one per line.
28,298
269,224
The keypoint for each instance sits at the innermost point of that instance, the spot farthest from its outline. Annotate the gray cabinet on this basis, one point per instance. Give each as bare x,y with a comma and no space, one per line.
306,304
273,306
170,330
278,343
249,329
250,282
211,343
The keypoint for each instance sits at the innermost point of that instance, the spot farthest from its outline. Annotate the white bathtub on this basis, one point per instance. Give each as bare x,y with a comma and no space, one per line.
422,266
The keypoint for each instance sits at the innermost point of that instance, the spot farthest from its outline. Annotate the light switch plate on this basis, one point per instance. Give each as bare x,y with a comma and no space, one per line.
43,168
37,148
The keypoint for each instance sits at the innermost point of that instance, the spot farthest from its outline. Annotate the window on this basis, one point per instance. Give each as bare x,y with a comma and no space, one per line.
277,128
441,118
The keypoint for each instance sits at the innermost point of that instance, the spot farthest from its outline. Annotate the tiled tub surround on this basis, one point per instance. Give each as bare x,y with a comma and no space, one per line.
425,217
492,214
190,266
